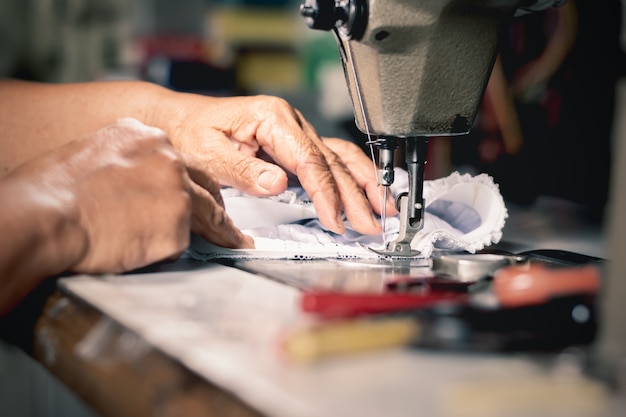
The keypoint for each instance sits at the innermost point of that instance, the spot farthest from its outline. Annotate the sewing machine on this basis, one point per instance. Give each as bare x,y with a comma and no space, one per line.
429,88
418,69
414,70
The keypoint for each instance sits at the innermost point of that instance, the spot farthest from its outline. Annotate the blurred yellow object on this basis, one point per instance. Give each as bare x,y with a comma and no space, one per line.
263,43
537,395
249,25
346,336
265,71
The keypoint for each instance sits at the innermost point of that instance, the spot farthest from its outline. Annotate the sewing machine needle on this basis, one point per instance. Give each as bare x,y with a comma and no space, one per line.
384,213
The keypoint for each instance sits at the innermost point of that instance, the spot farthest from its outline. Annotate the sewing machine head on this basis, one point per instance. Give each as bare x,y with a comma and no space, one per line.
415,69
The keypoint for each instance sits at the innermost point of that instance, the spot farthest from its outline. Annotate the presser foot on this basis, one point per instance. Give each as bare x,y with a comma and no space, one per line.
401,246
401,250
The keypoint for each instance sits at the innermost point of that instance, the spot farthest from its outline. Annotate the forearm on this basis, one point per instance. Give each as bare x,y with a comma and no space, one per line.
562,41
501,99
40,241
36,118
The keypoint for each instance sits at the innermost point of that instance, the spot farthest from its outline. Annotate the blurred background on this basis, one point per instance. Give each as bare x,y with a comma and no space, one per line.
551,106
545,130
217,47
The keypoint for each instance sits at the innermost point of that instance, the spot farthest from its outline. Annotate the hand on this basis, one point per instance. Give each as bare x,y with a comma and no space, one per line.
128,192
126,188
209,218
227,134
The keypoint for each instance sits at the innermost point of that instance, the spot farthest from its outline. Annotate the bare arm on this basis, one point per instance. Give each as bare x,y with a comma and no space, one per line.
557,49
41,239
500,101
113,201
218,137
37,118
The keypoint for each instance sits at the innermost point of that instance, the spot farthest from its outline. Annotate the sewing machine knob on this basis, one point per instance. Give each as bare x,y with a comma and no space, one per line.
349,17
319,14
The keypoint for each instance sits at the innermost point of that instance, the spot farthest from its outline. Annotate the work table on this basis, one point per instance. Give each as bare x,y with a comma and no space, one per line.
211,348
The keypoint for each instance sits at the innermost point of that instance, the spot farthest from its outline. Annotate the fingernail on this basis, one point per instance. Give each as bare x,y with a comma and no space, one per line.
266,179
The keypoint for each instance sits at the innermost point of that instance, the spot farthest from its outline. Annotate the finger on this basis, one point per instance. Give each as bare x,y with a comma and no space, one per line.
203,204
292,148
317,179
210,220
355,204
363,171
237,169
199,173
277,128
357,208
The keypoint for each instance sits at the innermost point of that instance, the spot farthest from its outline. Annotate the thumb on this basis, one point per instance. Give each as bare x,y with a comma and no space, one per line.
215,152
250,174
257,177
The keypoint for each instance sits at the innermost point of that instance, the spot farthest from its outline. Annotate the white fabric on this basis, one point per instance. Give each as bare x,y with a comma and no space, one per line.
463,212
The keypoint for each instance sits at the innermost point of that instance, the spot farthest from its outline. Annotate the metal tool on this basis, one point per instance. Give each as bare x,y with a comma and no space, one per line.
551,326
472,267
415,70
512,286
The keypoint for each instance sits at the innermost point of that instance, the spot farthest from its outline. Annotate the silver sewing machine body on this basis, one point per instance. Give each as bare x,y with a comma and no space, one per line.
415,69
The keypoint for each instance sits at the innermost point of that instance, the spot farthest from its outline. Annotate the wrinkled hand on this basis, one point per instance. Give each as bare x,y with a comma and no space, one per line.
228,135
128,191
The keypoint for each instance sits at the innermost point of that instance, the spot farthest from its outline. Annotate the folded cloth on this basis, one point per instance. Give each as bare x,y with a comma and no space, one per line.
462,212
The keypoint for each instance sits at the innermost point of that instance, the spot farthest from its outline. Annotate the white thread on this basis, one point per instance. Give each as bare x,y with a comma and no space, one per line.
383,199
